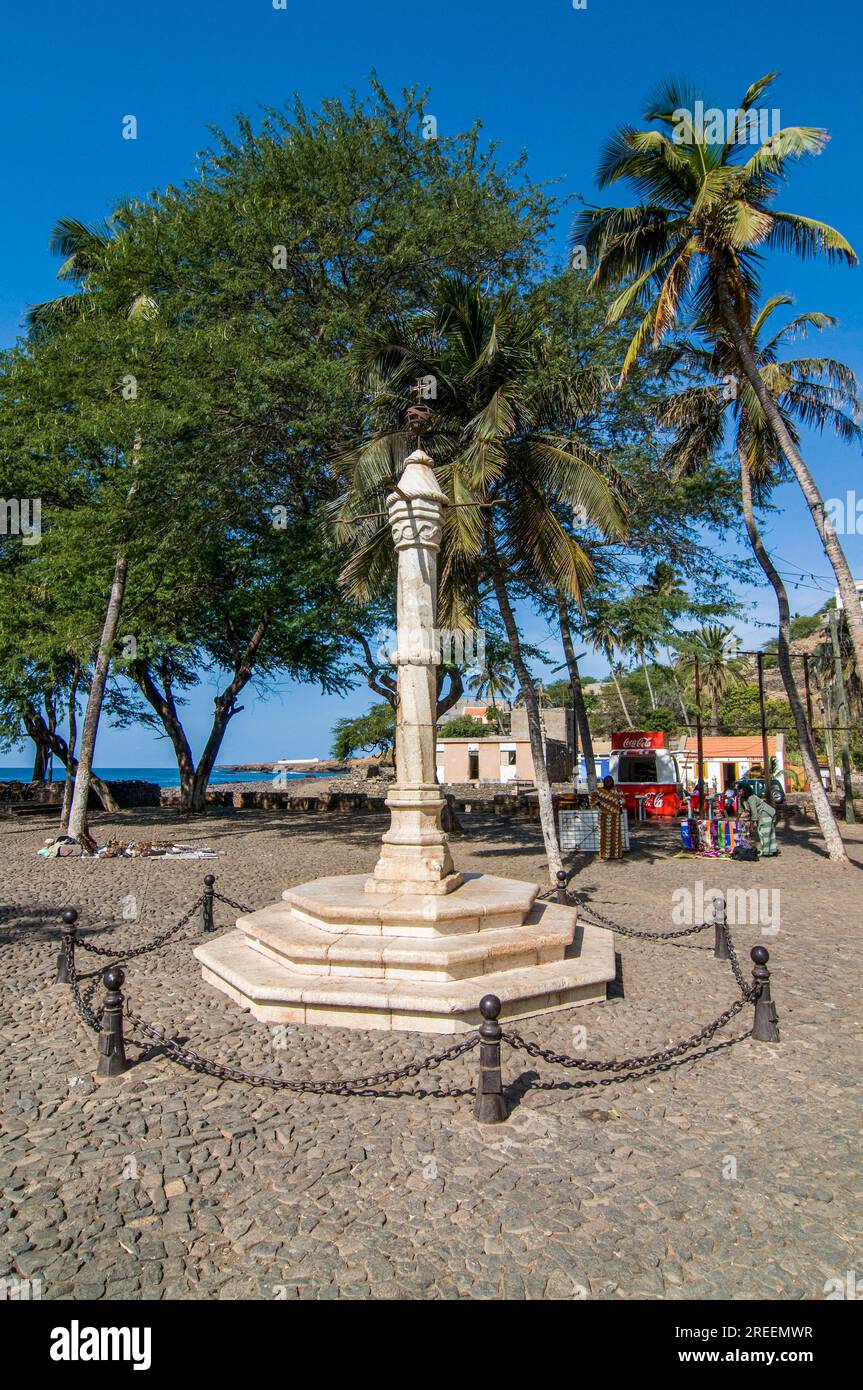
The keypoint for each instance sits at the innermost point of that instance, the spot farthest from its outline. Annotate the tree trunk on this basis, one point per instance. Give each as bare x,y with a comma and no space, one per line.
36,727
620,698
826,820
649,686
195,780
683,710
832,545
95,698
714,712
40,763
69,782
540,771
578,705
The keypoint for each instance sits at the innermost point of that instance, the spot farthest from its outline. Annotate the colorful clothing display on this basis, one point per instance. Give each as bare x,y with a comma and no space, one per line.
609,802
714,839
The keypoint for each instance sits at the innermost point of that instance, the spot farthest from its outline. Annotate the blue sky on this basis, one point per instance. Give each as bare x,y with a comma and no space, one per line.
543,77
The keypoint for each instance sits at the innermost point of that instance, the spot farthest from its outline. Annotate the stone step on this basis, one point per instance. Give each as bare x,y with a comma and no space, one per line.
304,948
275,994
342,905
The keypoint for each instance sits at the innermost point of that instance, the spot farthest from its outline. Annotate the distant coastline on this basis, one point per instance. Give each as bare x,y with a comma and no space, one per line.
170,777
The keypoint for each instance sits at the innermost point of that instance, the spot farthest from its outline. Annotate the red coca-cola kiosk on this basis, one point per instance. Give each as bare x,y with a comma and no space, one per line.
647,774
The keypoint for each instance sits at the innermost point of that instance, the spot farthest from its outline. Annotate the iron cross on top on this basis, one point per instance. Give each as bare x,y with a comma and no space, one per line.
418,416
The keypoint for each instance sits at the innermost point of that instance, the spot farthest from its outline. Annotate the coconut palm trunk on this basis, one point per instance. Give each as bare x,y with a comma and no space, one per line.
620,695
578,705
808,486
531,704
713,696
826,819
683,710
647,678
95,698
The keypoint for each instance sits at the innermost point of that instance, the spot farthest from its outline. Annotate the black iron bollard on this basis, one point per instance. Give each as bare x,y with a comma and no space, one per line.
112,1051
766,1025
67,942
720,944
207,906
490,1106
562,895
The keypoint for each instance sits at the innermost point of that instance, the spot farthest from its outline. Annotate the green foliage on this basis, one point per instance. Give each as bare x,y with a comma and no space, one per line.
234,306
464,726
374,731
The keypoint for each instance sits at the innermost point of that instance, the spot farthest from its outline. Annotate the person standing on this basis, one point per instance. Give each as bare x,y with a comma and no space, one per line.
610,803
762,817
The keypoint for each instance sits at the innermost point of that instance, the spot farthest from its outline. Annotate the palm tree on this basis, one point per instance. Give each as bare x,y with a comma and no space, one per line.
818,391
605,637
715,648
640,632
698,236
510,458
667,589
495,679
84,248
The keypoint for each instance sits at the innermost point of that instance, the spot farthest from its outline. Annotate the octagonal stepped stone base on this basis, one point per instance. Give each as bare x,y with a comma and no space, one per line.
389,967
342,905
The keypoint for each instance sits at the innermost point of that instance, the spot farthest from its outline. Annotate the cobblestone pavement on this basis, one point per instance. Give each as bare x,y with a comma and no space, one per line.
732,1176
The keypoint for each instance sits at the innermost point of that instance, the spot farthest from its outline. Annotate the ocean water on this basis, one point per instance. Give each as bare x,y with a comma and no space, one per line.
162,776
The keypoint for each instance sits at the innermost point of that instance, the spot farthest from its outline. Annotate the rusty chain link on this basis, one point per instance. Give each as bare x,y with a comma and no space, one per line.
241,907
646,1071
118,954
664,1054
747,989
641,935
82,1000
187,1057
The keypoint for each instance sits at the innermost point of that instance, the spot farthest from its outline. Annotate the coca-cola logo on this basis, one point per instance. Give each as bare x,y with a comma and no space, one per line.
637,740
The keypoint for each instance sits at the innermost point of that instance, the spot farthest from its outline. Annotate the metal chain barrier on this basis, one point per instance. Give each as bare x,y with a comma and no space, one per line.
746,990
187,1057
82,1000
118,954
604,921
490,1102
646,1071
240,907
660,1056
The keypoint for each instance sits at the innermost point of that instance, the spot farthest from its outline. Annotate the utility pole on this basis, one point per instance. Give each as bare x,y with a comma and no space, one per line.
842,715
699,739
827,705
809,715
765,756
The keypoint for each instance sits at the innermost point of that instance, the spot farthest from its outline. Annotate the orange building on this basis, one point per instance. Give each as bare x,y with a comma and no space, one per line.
728,757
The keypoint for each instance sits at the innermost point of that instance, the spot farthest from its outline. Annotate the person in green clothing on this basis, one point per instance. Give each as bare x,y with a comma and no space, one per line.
761,815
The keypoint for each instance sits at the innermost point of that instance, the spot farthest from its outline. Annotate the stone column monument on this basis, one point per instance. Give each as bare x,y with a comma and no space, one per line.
416,944
415,856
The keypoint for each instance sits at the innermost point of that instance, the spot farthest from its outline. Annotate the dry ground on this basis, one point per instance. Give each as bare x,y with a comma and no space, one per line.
735,1175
